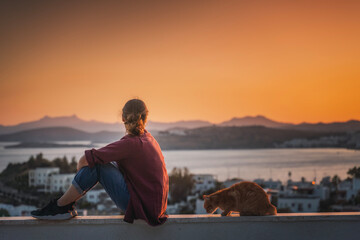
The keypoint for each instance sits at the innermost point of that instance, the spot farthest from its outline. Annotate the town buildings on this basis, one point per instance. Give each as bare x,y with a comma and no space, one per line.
203,182
301,196
40,176
50,180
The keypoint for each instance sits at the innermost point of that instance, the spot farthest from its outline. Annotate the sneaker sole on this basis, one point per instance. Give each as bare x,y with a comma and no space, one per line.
63,216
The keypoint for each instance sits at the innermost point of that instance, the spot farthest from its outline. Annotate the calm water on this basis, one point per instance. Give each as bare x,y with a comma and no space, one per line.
246,164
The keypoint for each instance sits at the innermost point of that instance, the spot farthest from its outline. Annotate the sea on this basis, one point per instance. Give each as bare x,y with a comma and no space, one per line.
275,164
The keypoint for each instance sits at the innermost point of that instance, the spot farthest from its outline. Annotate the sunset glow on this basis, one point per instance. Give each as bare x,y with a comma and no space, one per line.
212,60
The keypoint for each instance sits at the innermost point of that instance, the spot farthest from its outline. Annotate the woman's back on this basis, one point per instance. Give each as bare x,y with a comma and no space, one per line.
141,161
147,179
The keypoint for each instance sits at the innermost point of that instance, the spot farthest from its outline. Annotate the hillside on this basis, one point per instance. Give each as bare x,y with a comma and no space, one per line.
213,137
97,126
349,126
59,134
235,137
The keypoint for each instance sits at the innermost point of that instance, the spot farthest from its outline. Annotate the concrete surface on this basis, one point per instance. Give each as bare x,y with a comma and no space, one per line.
317,226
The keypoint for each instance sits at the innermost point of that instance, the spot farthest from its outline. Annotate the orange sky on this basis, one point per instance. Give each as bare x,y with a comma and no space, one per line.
291,61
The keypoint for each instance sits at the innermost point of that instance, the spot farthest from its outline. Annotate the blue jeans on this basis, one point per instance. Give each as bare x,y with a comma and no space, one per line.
109,177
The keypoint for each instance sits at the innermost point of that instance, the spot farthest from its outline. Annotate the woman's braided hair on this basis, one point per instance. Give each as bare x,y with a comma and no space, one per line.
134,115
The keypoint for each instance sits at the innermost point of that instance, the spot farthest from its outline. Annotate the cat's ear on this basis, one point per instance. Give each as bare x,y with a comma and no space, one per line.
205,197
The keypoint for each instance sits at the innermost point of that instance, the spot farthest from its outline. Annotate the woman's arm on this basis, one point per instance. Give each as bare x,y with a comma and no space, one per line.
112,152
82,163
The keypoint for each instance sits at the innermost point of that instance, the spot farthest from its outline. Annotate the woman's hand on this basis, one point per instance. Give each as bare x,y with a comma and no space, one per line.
82,163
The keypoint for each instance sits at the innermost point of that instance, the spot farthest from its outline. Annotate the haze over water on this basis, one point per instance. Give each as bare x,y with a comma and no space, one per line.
245,164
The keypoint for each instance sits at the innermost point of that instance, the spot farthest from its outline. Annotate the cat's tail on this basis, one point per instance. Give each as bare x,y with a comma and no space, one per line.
271,210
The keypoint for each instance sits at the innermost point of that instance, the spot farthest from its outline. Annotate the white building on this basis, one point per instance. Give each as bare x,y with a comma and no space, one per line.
21,210
199,207
102,200
40,176
49,179
176,208
299,204
356,184
302,196
203,182
353,190
230,182
322,192
269,183
59,182
173,208
95,196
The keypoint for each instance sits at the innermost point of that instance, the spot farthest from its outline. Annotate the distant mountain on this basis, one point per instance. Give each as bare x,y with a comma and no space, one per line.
66,121
97,126
160,126
59,134
254,121
349,126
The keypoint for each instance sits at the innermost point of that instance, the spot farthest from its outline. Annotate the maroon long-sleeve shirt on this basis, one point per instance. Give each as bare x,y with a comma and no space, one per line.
142,163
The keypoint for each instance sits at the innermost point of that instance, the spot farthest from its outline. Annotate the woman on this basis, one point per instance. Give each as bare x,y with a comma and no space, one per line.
131,170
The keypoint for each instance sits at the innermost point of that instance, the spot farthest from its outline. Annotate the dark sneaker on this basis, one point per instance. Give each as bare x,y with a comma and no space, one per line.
53,212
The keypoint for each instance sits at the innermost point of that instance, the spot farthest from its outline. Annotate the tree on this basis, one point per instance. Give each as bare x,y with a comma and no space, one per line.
180,184
39,157
73,164
354,172
303,179
4,213
335,181
64,165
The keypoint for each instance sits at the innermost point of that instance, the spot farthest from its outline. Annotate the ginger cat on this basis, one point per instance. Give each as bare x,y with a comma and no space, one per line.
247,198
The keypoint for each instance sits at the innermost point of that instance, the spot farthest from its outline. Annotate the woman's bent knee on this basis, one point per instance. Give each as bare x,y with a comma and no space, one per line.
85,179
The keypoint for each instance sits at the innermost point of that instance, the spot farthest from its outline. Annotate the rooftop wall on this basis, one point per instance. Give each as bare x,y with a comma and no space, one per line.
284,226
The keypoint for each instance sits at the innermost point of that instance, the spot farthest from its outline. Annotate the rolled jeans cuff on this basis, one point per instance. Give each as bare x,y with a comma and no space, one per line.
77,187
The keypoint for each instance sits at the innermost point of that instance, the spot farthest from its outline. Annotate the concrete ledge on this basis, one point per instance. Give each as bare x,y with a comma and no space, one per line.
317,226
191,218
